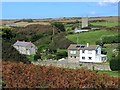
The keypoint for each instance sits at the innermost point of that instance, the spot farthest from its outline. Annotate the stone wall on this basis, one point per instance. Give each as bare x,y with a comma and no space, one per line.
75,65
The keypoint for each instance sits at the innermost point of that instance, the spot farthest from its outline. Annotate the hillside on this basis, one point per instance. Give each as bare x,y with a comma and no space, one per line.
90,37
64,20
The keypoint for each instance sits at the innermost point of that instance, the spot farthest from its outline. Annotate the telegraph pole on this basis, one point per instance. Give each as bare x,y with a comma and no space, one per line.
53,34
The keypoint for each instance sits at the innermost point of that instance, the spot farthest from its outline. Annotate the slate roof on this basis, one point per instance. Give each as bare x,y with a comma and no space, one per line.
23,43
82,47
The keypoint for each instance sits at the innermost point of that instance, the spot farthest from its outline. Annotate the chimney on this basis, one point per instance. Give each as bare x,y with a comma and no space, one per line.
87,44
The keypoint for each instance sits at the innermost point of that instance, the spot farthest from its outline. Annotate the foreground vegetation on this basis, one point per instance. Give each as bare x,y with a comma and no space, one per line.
19,75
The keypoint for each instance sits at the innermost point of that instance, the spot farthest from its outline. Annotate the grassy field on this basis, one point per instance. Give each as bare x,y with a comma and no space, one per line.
108,24
89,37
111,73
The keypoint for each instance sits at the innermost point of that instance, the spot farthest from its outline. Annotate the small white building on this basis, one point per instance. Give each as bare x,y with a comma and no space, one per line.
80,30
86,53
26,48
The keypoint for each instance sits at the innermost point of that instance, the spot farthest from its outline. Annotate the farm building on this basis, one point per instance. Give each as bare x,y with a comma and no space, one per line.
85,53
80,30
26,48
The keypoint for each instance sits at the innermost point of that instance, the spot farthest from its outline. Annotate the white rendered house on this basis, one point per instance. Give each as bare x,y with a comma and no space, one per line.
86,53
26,48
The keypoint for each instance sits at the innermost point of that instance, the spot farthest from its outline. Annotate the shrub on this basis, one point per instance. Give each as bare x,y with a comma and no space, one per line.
37,56
36,37
115,63
103,51
60,55
58,25
19,75
110,39
9,53
99,42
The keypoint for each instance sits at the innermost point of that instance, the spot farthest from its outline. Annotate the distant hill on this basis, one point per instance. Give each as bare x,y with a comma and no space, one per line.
64,20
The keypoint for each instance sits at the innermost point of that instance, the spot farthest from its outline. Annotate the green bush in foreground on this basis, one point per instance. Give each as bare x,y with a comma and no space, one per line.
115,64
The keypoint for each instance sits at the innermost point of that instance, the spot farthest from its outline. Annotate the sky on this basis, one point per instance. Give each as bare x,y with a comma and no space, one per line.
38,10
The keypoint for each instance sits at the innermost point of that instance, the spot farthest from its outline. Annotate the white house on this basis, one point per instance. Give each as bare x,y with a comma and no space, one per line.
26,48
86,53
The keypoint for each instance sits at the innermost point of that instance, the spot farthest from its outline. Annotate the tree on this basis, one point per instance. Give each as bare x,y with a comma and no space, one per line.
58,25
115,63
7,33
100,43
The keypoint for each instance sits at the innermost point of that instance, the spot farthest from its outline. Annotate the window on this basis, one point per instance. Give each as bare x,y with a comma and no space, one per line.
72,52
71,56
89,52
83,57
90,58
83,51
74,56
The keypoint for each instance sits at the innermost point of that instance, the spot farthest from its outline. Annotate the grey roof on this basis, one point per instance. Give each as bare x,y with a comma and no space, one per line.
23,43
82,47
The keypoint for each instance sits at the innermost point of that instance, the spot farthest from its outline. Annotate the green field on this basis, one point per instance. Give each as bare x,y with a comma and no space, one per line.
108,24
111,73
89,37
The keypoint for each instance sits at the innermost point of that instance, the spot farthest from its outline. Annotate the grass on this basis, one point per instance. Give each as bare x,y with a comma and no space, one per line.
90,37
111,73
108,24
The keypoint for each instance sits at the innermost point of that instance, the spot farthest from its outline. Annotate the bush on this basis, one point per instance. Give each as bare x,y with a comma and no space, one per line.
115,64
7,34
19,75
36,37
37,56
99,42
103,51
9,53
60,55
58,25
111,39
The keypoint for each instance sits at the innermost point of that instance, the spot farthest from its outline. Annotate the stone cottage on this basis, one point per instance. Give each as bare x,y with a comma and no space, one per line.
27,48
